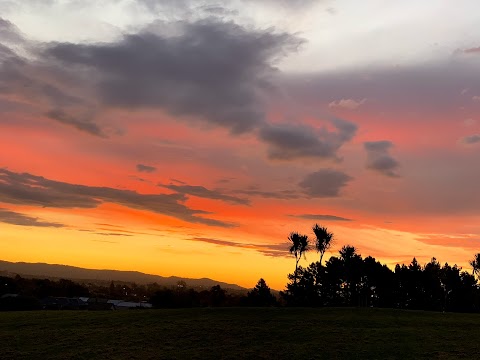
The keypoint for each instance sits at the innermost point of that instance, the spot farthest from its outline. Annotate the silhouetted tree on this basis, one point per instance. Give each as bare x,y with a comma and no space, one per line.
323,240
475,264
261,295
217,296
352,274
299,246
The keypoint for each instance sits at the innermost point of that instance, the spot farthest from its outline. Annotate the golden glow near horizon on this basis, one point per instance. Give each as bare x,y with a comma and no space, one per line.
183,140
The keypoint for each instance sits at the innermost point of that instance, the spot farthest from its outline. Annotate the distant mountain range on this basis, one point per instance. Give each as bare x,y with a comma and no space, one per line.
55,271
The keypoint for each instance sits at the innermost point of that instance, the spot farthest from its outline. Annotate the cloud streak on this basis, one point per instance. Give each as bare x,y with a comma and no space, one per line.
27,189
471,139
15,218
146,168
274,250
320,217
203,192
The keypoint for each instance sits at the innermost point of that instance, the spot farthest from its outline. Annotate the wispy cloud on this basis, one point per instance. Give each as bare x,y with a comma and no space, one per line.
474,50
320,217
15,218
203,192
146,168
471,139
349,104
27,189
275,250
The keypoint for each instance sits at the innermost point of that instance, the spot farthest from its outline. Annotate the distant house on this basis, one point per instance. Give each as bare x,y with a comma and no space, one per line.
4,296
99,304
127,305
84,303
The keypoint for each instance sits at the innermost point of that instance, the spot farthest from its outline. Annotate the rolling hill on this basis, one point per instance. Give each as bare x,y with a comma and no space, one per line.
99,275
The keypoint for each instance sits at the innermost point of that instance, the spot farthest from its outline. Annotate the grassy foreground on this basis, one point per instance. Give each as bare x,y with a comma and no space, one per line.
236,333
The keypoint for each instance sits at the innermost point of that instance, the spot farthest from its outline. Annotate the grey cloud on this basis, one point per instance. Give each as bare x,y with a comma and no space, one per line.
290,141
189,6
146,168
279,194
324,183
379,159
203,192
210,69
80,124
15,218
430,89
275,250
320,217
471,139
9,32
27,189
44,87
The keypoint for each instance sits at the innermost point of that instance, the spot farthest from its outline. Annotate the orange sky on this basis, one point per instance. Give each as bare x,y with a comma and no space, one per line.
193,147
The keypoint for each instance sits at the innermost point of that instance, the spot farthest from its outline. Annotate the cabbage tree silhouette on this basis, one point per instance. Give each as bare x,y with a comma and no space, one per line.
323,240
299,246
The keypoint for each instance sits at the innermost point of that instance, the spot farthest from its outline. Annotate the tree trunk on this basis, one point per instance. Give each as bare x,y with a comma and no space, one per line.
296,270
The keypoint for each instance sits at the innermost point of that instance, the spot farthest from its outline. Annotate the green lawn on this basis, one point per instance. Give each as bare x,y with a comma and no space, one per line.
236,333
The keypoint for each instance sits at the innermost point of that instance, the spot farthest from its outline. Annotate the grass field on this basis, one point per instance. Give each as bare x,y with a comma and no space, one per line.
237,333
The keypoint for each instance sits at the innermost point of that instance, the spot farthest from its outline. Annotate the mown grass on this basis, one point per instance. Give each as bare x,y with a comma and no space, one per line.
240,333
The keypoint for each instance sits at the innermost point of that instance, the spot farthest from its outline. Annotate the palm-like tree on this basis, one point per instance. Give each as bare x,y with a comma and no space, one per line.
299,246
475,264
323,241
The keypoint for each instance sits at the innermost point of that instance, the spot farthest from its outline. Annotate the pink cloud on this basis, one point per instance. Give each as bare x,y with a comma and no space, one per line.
349,104
475,50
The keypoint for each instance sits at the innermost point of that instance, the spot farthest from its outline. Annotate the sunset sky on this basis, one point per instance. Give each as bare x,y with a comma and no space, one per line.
189,138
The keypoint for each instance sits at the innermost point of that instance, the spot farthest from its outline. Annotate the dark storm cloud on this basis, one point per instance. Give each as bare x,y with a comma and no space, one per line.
471,139
379,159
209,69
321,217
324,183
14,218
146,168
290,141
275,250
27,189
203,192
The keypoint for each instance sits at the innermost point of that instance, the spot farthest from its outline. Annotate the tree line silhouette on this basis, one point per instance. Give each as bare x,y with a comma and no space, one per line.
18,293
350,280
347,279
